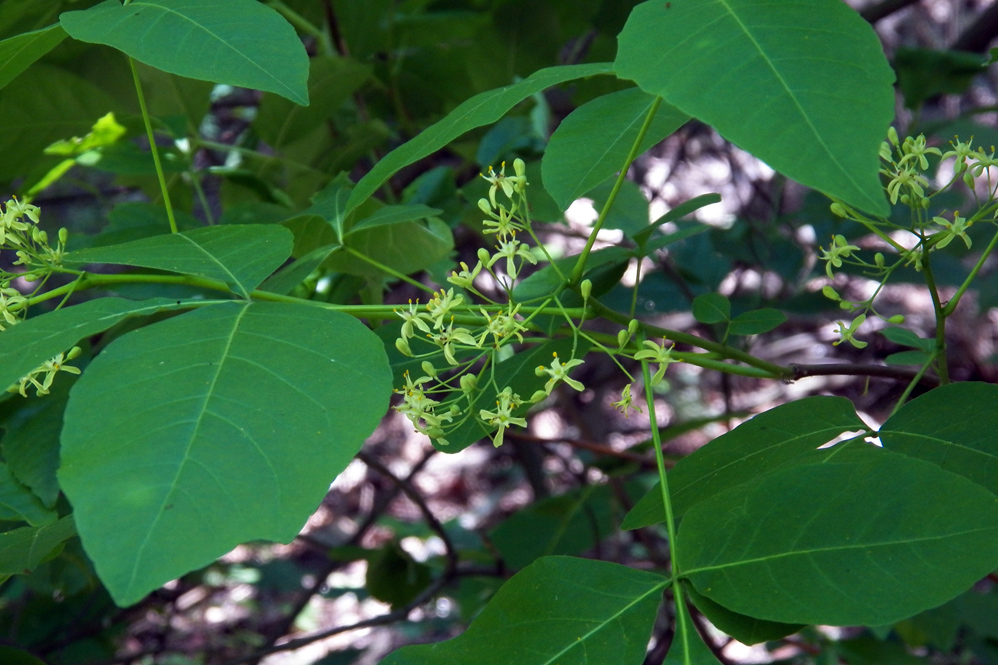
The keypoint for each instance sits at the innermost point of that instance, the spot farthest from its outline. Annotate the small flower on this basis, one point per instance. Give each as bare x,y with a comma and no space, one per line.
49,368
441,304
510,249
846,333
413,318
905,177
449,336
558,371
504,225
653,353
955,229
626,403
10,299
501,326
983,163
466,278
506,402
915,151
509,184
833,255
961,152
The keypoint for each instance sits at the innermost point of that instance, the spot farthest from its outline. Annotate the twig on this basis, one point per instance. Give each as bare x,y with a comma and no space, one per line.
850,369
878,11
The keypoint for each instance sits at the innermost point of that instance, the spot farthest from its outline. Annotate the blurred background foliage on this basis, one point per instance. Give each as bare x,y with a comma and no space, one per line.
351,587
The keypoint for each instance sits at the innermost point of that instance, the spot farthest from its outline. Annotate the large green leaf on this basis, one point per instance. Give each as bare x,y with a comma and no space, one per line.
567,524
238,42
803,86
826,543
482,109
776,438
242,256
406,247
226,424
954,427
557,610
592,143
23,549
27,345
18,53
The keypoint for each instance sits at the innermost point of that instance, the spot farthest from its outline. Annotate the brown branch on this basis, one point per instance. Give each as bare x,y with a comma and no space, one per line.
980,33
801,371
880,10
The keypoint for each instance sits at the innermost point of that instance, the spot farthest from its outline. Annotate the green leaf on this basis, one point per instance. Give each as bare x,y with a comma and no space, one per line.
908,358
745,629
756,322
687,646
954,427
31,440
18,503
249,408
591,144
546,281
925,73
905,337
630,209
680,211
19,52
783,436
556,610
871,651
23,549
238,42
711,308
27,345
823,543
749,69
482,109
396,214
241,256
567,524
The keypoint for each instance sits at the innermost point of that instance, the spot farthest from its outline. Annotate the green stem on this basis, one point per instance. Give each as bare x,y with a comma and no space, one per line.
942,368
774,371
303,25
152,147
580,264
656,437
955,300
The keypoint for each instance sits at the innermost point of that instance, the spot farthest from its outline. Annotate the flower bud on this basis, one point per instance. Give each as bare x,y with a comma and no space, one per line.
538,396
586,288
968,179
632,326
484,206
469,382
63,235
892,136
403,347
830,293
897,319
845,304
428,369
878,258
622,338
838,210
519,167
484,256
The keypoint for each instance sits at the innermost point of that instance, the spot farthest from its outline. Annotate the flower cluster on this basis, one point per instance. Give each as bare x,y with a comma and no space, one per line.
19,232
906,166
469,336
